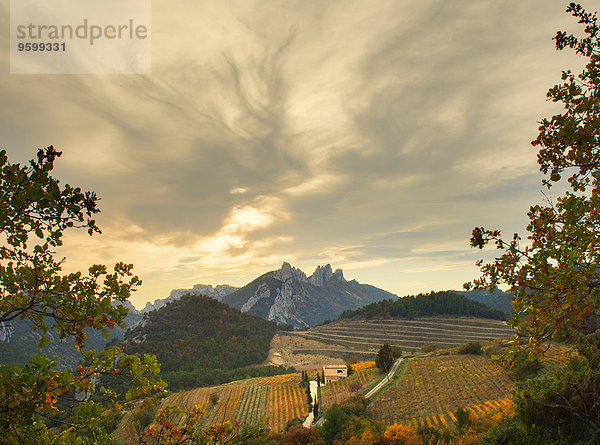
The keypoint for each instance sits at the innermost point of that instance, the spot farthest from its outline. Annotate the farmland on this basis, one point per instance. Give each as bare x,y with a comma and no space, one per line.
268,401
342,390
343,339
425,392
431,388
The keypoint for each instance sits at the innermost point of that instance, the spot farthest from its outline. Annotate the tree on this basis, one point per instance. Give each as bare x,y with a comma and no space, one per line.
35,211
564,407
401,435
385,358
463,419
473,347
555,276
298,435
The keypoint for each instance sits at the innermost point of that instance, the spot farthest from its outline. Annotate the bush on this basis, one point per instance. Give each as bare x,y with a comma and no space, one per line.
298,435
524,367
144,414
463,420
110,420
429,348
472,347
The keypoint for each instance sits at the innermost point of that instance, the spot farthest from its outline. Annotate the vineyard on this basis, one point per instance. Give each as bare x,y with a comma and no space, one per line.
364,336
270,401
341,390
431,388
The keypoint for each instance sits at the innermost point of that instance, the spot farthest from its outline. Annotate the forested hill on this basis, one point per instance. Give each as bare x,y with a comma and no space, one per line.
200,341
425,305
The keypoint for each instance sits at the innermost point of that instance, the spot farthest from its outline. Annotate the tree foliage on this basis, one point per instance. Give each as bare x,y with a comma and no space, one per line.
425,305
401,435
200,341
385,358
565,407
35,211
554,275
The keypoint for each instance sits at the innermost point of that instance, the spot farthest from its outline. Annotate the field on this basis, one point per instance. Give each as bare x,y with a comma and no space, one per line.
270,401
362,338
342,390
431,388
425,392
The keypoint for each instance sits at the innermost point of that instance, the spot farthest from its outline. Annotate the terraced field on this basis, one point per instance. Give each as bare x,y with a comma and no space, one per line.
364,337
432,388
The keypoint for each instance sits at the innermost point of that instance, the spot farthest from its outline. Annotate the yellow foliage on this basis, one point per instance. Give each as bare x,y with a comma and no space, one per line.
366,438
401,435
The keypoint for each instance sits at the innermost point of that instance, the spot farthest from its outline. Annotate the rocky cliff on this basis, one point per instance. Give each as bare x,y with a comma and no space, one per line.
289,296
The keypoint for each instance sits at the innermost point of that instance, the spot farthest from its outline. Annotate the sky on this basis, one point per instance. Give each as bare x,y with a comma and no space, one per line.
369,135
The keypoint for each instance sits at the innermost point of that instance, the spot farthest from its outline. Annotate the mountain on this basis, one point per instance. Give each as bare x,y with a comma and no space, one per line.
18,342
425,305
217,292
497,299
200,341
288,296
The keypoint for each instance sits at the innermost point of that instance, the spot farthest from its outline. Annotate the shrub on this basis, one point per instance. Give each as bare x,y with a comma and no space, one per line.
144,414
429,348
472,347
298,435
525,367
463,420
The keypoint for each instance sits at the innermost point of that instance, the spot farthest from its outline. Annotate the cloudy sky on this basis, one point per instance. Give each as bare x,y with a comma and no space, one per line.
370,135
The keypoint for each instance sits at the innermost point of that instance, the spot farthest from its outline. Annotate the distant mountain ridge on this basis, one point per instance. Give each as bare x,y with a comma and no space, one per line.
18,342
217,292
497,299
289,296
425,305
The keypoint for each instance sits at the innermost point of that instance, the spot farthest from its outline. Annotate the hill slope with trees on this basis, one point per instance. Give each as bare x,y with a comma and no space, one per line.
200,341
425,305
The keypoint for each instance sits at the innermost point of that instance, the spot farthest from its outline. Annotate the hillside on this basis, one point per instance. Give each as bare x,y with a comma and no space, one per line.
200,341
19,342
270,402
346,339
288,296
425,305
431,388
497,299
425,392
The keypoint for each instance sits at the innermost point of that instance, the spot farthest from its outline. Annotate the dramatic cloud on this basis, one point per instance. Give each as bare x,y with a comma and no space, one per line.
371,136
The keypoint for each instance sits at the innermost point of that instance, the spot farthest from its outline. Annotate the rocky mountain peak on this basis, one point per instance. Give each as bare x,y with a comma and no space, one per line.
288,272
322,274
288,296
